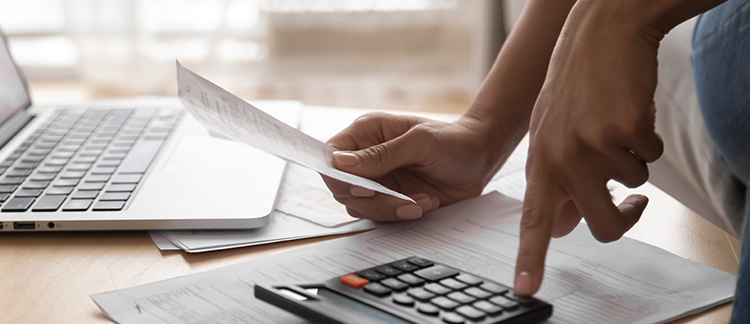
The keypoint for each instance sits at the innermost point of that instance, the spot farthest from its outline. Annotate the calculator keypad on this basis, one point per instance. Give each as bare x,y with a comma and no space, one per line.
436,290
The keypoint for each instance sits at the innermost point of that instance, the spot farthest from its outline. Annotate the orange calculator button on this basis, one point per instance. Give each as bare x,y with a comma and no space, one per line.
354,281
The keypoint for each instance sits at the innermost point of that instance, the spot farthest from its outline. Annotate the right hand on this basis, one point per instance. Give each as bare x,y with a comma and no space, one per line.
433,162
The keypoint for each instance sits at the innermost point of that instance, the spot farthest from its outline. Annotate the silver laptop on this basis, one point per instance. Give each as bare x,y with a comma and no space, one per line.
125,166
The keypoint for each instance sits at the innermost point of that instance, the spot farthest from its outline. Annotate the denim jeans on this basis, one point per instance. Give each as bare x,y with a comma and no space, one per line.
721,65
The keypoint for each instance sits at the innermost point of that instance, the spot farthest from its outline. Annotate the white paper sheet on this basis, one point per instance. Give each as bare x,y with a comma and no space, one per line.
227,116
282,227
587,282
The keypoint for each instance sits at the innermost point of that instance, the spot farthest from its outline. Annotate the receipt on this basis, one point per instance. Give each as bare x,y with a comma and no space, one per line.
227,116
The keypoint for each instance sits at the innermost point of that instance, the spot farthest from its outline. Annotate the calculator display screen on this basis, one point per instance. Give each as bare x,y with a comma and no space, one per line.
359,308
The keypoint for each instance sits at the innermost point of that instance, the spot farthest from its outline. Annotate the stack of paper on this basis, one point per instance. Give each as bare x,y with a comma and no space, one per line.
586,282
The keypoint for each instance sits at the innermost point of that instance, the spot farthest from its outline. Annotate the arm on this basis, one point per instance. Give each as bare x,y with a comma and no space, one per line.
440,163
594,120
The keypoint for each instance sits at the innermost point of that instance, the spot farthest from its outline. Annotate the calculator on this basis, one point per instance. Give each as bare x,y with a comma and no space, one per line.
412,290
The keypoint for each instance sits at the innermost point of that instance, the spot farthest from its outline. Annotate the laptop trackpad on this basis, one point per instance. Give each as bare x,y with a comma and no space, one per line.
197,151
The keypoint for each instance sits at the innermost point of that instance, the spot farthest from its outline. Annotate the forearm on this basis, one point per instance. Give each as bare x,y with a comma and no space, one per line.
506,98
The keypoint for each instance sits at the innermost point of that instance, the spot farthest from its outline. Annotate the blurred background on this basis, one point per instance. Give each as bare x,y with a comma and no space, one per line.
426,55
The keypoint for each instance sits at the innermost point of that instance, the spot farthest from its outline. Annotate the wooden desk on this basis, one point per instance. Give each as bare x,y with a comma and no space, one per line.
47,277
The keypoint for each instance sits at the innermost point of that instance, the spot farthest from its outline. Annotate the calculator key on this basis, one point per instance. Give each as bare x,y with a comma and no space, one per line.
504,302
18,204
520,299
404,266
109,205
388,271
411,279
461,297
420,262
488,307
494,288
403,300
437,289
420,294
354,281
394,284
367,274
436,273
444,303
471,313
477,293
77,204
453,284
428,309
452,318
49,203
377,289
469,279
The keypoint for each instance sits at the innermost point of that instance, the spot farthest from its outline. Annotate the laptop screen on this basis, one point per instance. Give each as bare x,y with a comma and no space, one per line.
13,94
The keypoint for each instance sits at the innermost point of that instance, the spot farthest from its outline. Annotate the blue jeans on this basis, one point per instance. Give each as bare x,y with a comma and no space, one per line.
721,65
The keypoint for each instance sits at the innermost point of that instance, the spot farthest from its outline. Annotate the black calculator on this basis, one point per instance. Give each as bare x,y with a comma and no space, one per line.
412,290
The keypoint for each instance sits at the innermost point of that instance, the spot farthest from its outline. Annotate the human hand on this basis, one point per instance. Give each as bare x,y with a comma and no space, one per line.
594,120
433,162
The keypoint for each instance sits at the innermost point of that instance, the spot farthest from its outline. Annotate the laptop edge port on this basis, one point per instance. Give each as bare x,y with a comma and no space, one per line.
24,225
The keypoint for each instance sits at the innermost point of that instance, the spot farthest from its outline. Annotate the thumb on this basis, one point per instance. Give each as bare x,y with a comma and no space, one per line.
380,159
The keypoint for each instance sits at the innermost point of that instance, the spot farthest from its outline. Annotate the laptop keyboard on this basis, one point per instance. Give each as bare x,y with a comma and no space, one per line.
84,159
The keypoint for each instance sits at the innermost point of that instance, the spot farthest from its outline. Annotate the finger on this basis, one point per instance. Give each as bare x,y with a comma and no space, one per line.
337,188
628,169
385,208
542,202
567,220
647,146
377,160
373,128
606,222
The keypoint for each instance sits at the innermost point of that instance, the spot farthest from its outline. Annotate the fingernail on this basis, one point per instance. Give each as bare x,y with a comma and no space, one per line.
409,212
346,159
425,203
522,285
361,192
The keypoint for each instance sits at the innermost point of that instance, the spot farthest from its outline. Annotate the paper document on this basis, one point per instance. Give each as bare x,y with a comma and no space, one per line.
586,282
227,116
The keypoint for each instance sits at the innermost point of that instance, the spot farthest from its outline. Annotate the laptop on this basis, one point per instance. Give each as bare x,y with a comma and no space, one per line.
139,165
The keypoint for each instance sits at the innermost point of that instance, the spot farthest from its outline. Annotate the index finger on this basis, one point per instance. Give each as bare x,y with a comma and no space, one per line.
541,204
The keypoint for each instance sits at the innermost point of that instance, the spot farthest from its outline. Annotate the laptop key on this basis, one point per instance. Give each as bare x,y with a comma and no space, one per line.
48,203
18,204
56,162
59,190
4,196
12,180
65,183
85,194
77,205
7,163
29,193
79,167
27,165
126,178
36,185
8,188
103,170
16,172
109,205
115,196
97,178
72,174
91,186
50,169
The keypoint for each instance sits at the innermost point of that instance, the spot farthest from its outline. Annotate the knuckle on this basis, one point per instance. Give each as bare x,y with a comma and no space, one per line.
378,154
